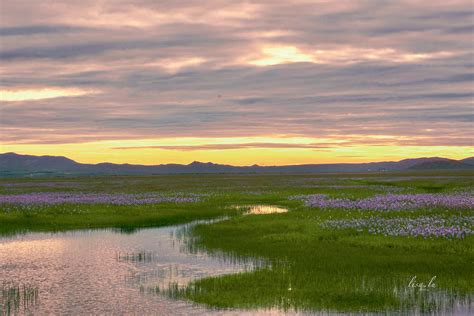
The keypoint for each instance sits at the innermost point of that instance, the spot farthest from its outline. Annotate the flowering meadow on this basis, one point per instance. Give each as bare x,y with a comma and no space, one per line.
423,226
348,243
457,226
392,202
351,244
51,198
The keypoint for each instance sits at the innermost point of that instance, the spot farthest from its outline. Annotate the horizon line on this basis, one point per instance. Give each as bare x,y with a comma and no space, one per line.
251,165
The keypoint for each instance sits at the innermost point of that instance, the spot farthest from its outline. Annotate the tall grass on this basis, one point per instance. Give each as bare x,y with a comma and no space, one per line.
17,299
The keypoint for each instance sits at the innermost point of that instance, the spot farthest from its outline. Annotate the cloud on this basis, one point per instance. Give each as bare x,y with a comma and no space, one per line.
75,50
174,65
275,55
28,30
235,146
344,71
281,55
40,94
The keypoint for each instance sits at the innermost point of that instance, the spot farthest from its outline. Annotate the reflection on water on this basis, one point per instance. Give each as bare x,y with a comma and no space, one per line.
260,209
434,301
13,298
104,272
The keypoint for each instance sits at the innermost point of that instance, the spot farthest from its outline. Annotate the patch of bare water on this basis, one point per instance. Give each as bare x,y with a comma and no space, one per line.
105,272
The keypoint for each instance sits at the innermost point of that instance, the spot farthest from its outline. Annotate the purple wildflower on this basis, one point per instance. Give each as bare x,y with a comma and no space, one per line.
392,202
50,198
423,226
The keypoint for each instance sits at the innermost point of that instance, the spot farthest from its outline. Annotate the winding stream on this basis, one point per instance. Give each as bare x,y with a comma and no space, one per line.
107,272
111,272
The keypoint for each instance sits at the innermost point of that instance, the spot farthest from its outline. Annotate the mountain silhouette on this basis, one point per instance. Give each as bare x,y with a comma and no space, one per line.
12,164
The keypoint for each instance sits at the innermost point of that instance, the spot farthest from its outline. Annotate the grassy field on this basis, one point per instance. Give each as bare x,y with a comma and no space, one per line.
313,268
310,266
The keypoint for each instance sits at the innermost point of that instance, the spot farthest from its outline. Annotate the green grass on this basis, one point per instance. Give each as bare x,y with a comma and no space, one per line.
126,218
336,270
310,268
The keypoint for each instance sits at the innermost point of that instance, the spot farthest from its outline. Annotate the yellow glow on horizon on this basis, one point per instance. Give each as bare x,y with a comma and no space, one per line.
42,93
145,151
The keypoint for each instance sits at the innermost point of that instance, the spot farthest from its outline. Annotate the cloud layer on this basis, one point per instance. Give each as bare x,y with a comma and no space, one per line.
349,72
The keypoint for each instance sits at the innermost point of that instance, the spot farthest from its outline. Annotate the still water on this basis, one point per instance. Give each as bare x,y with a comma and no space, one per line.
113,272
106,272
260,209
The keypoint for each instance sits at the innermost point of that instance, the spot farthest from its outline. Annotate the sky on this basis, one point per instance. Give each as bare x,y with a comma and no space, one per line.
237,82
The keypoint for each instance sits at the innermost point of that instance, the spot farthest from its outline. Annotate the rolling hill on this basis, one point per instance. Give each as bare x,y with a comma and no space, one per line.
12,164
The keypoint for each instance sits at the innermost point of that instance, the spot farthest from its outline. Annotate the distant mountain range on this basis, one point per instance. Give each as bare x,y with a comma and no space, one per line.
12,164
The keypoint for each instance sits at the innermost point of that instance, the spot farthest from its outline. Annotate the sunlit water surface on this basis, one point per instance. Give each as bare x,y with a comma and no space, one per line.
260,209
107,272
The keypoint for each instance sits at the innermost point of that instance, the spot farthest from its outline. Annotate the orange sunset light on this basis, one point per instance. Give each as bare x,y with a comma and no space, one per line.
237,83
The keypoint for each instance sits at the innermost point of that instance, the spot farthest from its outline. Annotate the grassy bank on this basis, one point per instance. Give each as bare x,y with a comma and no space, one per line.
126,218
314,269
